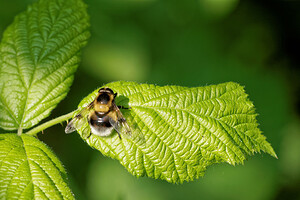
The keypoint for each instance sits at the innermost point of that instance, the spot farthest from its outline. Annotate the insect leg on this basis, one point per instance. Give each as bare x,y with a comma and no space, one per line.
88,119
89,136
119,136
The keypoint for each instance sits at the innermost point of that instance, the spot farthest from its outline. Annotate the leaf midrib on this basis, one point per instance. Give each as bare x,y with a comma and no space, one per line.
174,154
195,116
30,170
32,82
167,146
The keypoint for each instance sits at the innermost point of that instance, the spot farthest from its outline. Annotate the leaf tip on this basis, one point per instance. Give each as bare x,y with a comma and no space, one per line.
272,153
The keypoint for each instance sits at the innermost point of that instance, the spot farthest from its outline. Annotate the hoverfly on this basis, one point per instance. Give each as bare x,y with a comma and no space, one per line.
102,114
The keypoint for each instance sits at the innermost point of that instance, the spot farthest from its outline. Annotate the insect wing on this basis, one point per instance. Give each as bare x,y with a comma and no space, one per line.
79,120
70,127
122,121
117,126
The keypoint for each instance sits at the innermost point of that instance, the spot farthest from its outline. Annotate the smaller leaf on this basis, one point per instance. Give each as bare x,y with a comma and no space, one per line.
39,54
30,170
184,130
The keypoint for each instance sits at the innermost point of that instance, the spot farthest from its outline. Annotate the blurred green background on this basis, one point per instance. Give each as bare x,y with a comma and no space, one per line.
189,43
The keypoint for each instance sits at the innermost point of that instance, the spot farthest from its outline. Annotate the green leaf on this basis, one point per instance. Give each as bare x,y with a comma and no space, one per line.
183,130
30,170
39,54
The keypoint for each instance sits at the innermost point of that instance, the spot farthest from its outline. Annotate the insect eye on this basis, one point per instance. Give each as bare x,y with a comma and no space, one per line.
107,90
103,98
101,90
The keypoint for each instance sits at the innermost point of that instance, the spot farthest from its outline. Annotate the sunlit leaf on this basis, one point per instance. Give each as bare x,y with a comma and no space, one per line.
178,131
29,170
39,54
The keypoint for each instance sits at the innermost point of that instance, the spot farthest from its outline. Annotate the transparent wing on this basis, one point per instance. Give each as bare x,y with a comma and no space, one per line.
122,121
116,125
119,123
121,126
79,120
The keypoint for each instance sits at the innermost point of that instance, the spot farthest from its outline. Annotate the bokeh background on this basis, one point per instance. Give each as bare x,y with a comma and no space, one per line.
189,43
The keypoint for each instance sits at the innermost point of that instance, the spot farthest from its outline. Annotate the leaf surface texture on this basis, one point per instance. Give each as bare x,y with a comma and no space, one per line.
178,131
30,170
39,54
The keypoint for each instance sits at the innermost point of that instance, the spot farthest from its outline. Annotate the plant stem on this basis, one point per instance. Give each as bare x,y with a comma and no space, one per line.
20,131
50,123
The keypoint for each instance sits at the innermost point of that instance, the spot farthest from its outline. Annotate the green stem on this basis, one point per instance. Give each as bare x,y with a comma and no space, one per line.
20,131
50,123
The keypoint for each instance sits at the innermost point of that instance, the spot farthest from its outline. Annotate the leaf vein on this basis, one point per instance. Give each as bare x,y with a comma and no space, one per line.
195,115
5,106
49,178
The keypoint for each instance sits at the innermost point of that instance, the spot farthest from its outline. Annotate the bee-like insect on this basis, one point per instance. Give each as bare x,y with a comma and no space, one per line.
102,114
